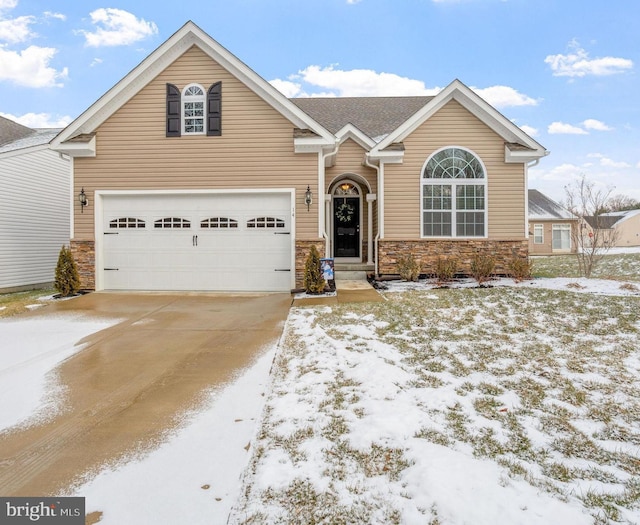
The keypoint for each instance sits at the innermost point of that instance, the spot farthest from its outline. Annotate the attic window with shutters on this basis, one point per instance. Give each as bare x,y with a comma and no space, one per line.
192,112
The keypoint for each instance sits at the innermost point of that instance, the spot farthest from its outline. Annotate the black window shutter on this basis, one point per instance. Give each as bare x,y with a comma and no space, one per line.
214,110
173,111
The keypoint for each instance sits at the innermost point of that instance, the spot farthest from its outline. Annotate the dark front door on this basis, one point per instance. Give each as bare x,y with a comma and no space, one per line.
346,226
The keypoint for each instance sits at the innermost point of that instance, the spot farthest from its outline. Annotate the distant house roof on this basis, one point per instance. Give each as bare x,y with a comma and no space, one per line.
542,207
14,136
374,116
602,222
11,131
606,221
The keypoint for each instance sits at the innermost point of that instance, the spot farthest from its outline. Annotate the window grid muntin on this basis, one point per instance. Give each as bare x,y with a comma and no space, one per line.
538,234
453,163
193,107
127,222
466,175
172,223
265,222
218,223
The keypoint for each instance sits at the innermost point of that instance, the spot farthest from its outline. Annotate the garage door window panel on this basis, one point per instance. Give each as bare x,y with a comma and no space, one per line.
218,223
172,223
127,223
265,222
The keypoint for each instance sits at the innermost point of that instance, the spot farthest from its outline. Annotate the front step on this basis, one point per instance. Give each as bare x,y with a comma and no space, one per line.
352,271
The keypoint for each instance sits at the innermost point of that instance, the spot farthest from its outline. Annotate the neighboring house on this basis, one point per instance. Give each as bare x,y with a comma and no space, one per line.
621,227
34,206
200,175
552,228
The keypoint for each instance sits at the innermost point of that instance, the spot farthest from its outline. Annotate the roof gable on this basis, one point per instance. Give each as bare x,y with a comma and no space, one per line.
186,37
11,131
519,147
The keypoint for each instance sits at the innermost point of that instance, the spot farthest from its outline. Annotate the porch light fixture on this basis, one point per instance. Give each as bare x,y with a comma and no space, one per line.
83,200
308,197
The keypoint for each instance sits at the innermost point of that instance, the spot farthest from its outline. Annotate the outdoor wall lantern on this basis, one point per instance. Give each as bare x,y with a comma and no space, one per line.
83,200
308,197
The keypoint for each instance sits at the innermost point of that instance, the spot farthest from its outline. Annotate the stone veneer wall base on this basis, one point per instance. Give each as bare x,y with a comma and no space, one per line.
428,251
84,254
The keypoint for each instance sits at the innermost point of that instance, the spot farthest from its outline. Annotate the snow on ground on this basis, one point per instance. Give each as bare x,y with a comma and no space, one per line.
194,477
350,415
30,351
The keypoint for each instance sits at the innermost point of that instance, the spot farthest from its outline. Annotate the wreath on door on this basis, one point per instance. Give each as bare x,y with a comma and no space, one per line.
344,212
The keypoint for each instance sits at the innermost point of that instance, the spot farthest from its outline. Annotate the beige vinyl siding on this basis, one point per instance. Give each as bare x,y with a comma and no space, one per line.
546,248
628,231
453,125
255,150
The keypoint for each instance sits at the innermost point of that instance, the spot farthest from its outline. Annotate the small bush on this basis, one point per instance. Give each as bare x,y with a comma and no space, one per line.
67,279
520,268
314,282
408,268
446,268
482,267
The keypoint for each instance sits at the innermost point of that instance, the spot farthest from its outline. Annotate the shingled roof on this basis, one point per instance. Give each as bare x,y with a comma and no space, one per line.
11,131
374,116
542,207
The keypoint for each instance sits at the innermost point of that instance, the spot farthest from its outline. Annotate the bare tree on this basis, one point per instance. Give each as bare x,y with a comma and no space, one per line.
622,203
595,233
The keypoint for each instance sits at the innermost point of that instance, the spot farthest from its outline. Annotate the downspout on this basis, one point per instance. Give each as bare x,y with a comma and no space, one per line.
380,178
530,164
322,220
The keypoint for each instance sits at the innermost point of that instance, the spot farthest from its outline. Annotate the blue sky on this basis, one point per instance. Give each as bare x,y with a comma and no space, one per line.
566,71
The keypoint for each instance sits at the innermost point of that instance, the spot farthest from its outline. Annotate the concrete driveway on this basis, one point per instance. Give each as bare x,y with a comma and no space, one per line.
133,380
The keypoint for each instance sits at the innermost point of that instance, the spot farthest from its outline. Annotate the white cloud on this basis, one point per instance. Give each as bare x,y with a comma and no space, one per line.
95,62
116,27
30,67
606,162
578,64
557,128
504,96
39,120
287,88
8,4
596,125
16,29
362,82
532,132
368,83
59,16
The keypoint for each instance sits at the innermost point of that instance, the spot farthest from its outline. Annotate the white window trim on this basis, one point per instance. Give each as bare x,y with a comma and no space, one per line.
192,98
535,235
453,183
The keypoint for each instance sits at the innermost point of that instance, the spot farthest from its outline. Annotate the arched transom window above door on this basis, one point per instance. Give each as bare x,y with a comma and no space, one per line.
346,188
454,194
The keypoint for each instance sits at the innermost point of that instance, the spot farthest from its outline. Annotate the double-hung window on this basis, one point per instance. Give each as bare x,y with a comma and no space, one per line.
454,195
538,234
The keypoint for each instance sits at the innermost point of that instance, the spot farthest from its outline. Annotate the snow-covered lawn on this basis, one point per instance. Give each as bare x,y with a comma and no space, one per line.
515,404
510,404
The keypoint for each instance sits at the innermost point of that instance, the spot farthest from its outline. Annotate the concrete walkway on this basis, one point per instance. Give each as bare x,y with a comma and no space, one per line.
346,292
132,381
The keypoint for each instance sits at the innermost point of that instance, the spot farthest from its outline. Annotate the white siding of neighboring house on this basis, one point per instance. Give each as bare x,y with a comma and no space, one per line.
34,216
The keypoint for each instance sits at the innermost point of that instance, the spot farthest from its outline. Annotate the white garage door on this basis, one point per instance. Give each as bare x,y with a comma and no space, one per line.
227,242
